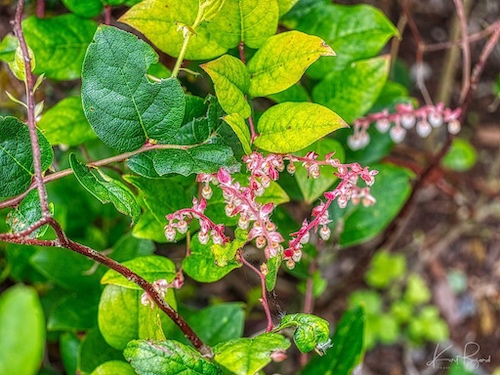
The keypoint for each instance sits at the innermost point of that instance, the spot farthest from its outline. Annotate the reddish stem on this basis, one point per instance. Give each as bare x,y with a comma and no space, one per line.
40,8
263,300
465,49
107,15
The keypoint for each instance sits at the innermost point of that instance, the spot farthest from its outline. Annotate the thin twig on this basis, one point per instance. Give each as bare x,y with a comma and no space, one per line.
263,300
40,8
466,63
30,102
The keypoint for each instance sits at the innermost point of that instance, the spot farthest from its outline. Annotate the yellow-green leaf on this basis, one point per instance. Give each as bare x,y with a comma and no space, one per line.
240,128
286,5
231,82
158,20
248,21
282,61
290,127
212,8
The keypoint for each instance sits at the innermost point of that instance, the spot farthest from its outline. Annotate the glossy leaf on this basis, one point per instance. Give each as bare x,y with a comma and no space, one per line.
231,81
282,61
353,91
256,351
94,351
124,108
295,93
87,8
391,189
163,196
16,156
59,44
167,358
74,312
240,128
65,123
149,228
311,332
158,20
28,213
106,190
354,32
286,5
114,368
151,268
248,21
290,127
122,317
227,321
211,8
347,350
312,188
200,263
23,333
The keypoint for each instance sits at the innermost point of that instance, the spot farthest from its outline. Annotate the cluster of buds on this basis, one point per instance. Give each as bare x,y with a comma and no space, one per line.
347,190
254,217
161,286
423,119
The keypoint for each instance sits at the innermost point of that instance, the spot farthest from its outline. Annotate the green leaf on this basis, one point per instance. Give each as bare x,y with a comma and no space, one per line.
385,268
354,32
65,123
226,253
211,8
231,81
158,20
67,269
461,157
311,332
248,21
149,228
282,61
206,158
416,292
94,351
123,107
391,189
200,263
167,358
273,194
295,93
286,5
86,9
129,247
151,268
347,350
8,47
352,91
249,355
273,266
163,196
28,213
122,316
114,368
227,321
312,188
16,156
74,312
59,44
68,346
240,128
23,333
106,190
290,127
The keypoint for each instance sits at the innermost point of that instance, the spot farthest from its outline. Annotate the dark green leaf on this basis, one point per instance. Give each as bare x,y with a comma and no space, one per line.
123,107
151,268
74,312
201,266
347,349
200,159
87,8
59,44
255,351
106,190
94,351
391,189
27,213
23,332
273,266
129,247
65,123
16,156
68,346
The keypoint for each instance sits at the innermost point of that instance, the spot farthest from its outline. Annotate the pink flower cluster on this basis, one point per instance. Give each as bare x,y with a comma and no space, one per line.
423,119
256,217
161,286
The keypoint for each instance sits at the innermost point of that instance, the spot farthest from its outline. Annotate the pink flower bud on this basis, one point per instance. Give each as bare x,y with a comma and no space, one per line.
407,120
260,242
435,119
383,125
278,356
170,233
223,176
206,192
203,237
305,238
290,264
324,233
291,168
454,127
182,226
397,134
423,128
